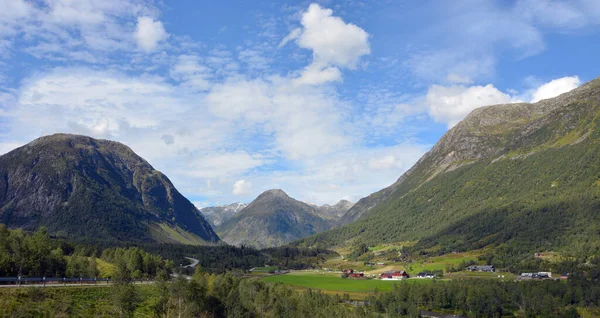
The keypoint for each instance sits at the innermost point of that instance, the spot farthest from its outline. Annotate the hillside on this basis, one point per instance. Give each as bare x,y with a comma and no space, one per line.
273,219
89,190
523,176
216,215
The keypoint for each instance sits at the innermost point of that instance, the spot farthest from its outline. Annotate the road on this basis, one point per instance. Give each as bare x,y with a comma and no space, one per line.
193,264
100,284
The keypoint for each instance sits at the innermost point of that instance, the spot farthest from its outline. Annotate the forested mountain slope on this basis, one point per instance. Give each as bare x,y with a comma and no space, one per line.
91,190
523,174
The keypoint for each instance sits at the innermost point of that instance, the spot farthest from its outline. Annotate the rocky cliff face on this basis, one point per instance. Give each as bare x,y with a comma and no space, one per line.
88,189
336,211
273,219
216,215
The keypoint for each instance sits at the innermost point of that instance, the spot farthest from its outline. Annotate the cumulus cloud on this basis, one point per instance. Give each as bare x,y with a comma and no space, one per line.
304,121
223,164
333,42
331,39
316,74
85,30
451,104
241,187
555,88
190,72
149,33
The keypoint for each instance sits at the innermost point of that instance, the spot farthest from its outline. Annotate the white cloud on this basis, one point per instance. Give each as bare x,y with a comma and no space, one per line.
190,72
384,162
293,35
559,13
316,74
555,88
149,33
332,41
224,164
241,187
351,174
458,79
304,121
451,104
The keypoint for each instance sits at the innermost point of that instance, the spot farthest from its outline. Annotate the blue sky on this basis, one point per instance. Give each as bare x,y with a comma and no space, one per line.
326,100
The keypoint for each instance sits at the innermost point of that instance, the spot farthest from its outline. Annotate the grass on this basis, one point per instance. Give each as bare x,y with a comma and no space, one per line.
166,233
82,301
441,262
333,282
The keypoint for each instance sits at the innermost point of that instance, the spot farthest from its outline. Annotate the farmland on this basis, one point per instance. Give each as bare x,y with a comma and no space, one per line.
333,282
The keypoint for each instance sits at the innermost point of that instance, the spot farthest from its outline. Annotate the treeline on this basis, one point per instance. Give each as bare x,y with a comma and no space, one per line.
36,254
209,295
214,259
138,262
491,298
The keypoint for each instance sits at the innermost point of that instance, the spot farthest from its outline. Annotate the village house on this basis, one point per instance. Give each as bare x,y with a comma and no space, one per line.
539,275
356,275
425,275
395,275
480,268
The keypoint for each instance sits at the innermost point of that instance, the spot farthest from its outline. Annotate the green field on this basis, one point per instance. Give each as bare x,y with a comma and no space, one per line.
335,283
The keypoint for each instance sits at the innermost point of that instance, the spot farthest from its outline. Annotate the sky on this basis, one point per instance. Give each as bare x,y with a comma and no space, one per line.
326,100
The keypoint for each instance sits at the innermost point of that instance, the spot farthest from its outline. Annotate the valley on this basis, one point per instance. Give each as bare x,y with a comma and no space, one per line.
328,159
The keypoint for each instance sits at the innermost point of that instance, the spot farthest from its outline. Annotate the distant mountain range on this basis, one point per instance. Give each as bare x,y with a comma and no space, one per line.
216,215
94,190
520,176
273,219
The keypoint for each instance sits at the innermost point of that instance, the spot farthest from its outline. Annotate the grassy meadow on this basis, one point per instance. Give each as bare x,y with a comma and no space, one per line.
333,282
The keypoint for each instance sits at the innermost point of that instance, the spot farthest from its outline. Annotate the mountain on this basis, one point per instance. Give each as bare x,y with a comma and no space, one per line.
216,215
336,211
516,176
273,219
95,190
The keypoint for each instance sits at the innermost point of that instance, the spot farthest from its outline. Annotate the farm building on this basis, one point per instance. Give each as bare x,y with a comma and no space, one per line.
425,275
395,275
481,268
356,275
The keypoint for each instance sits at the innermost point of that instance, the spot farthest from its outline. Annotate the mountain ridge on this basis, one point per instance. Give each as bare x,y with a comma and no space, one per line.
87,189
274,218
490,146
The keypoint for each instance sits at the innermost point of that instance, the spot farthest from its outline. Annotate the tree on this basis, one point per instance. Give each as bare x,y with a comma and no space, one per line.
123,291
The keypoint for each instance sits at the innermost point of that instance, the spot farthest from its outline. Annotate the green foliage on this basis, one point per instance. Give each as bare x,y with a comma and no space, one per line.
37,255
508,204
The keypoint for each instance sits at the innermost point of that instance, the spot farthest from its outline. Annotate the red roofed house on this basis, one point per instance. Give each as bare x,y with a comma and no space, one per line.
395,275
356,275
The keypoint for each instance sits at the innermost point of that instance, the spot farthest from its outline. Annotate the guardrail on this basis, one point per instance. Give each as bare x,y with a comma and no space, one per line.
20,281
